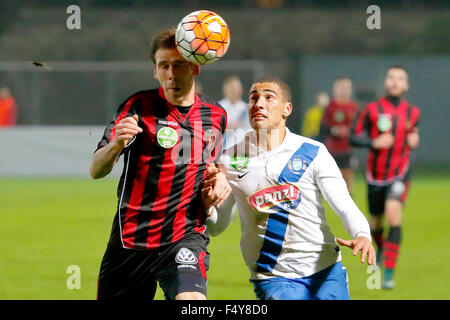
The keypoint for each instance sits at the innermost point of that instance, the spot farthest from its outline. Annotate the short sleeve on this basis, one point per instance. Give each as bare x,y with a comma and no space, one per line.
125,110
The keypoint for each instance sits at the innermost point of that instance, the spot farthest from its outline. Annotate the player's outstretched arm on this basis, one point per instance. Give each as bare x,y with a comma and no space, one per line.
334,190
356,225
105,158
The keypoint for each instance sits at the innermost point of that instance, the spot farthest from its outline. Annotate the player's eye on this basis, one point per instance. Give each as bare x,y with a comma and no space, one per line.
179,64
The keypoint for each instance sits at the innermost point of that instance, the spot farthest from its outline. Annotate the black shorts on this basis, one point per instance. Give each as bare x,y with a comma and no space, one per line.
379,194
133,274
344,160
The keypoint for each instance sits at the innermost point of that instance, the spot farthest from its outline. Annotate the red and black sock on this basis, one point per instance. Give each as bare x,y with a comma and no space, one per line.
391,247
377,235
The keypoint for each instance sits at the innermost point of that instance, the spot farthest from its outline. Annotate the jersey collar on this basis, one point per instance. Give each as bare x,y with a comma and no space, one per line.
387,104
171,107
283,147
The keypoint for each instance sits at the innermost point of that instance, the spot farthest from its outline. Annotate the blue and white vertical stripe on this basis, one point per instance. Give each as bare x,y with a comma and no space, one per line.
278,221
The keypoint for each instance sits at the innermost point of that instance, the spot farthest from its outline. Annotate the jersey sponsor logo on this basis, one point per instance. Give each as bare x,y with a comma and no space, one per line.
168,123
185,256
167,137
240,176
239,162
384,122
283,196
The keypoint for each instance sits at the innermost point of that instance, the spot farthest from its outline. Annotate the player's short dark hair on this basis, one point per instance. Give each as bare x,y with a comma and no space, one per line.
342,78
396,66
231,79
163,40
285,90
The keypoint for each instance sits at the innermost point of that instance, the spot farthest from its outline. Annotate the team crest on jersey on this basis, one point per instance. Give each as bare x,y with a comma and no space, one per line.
274,198
167,137
339,116
239,162
384,122
210,137
185,256
296,165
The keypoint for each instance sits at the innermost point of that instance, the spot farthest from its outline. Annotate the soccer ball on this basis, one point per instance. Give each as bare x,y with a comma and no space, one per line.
202,37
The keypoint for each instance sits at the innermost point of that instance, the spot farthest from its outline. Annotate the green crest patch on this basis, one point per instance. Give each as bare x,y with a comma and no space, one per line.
384,123
167,137
239,162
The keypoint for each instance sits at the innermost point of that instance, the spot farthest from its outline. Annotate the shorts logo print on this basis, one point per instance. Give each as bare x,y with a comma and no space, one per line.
185,256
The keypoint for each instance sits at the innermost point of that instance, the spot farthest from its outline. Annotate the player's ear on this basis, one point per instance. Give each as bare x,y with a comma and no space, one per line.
287,110
154,71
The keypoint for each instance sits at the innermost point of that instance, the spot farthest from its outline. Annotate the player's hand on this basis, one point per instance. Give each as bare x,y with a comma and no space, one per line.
413,138
215,188
126,129
340,131
361,244
383,141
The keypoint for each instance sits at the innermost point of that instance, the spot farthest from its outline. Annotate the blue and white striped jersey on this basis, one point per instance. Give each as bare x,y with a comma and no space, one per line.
279,197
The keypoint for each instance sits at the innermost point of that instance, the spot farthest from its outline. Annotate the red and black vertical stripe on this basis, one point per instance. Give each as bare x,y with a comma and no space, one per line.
175,220
402,162
376,154
143,185
397,134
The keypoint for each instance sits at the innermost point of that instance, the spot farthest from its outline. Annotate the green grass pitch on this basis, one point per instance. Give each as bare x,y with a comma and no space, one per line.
48,225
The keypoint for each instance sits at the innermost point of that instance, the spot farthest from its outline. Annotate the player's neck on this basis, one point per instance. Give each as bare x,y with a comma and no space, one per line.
395,101
341,101
234,100
269,140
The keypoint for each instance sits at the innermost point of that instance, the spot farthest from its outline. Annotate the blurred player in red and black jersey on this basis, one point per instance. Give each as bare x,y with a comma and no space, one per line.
389,128
336,125
167,136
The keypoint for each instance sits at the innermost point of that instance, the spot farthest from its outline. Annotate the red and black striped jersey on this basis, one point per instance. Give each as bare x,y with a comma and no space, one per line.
159,198
384,165
338,114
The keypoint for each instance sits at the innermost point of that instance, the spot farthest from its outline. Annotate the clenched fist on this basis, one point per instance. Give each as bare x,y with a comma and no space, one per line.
383,141
126,130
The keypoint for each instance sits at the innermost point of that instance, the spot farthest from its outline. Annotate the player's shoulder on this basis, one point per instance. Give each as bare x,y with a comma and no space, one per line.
372,104
370,107
312,151
298,141
145,94
412,106
142,94
353,106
